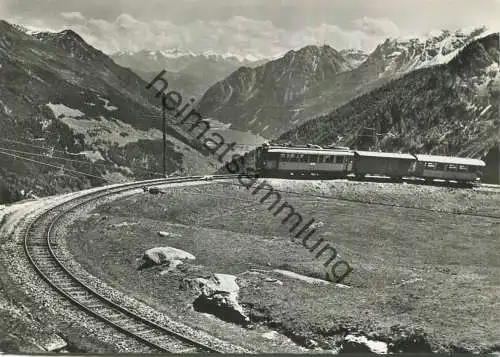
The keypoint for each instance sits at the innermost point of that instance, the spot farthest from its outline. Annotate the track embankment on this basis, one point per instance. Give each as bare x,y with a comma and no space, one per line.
41,277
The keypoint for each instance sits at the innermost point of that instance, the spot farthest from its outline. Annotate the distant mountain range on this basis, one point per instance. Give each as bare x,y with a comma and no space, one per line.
58,92
450,108
63,102
272,98
190,73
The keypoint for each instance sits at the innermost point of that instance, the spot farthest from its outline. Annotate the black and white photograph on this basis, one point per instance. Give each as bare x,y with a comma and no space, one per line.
250,177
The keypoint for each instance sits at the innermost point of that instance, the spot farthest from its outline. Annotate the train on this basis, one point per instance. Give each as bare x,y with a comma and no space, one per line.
316,162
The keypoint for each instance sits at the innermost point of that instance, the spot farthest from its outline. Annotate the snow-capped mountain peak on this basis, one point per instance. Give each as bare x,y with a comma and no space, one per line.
174,53
401,55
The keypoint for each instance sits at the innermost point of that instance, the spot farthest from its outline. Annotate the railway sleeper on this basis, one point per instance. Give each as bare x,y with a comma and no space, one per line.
137,327
121,320
94,306
71,290
41,243
111,314
104,312
152,333
62,280
38,248
67,284
81,296
49,268
41,254
52,273
173,344
188,350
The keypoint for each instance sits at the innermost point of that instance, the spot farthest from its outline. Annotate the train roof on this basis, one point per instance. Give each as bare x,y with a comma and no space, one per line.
450,160
392,155
294,150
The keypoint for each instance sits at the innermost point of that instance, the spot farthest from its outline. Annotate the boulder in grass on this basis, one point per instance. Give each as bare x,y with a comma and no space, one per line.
165,256
219,296
362,344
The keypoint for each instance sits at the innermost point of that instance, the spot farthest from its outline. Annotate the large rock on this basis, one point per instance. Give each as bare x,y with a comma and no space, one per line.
361,344
165,255
219,296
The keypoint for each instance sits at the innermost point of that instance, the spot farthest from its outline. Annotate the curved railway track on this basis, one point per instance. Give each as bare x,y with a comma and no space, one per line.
42,249
43,252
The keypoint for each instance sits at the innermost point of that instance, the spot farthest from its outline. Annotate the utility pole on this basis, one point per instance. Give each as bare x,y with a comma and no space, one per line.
164,116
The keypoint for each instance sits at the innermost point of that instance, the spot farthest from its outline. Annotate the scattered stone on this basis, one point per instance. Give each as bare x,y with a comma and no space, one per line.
123,224
271,335
318,224
153,190
271,280
55,344
307,279
167,234
312,343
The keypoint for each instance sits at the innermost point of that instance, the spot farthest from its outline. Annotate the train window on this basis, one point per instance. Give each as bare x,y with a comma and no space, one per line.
321,159
329,159
430,165
452,167
440,167
463,168
313,158
293,158
339,159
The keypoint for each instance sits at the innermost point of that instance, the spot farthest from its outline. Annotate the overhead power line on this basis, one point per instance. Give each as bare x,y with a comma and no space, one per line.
54,166
74,160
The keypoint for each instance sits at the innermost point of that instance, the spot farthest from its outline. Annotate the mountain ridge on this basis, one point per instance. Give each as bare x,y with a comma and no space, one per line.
269,118
58,91
451,108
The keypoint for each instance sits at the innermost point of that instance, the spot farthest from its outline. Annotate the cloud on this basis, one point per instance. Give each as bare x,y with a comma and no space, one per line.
72,15
237,35
377,27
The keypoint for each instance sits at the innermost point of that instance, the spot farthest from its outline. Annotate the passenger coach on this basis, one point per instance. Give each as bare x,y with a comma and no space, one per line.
462,170
337,162
394,165
279,161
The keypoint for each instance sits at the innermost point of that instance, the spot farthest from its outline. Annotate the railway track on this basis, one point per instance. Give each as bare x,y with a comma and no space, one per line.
42,250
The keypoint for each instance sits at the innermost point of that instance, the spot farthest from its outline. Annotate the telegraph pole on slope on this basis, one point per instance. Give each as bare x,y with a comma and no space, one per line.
164,117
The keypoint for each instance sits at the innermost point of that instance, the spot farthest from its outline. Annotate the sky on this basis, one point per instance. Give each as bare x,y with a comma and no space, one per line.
250,28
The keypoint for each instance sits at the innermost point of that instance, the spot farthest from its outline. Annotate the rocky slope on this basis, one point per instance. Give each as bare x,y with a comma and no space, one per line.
449,108
287,92
62,102
354,57
270,97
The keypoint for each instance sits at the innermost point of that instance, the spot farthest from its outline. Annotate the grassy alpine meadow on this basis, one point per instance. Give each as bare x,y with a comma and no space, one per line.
426,267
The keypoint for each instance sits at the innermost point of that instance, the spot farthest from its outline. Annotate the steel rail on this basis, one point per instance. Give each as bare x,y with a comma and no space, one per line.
63,272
